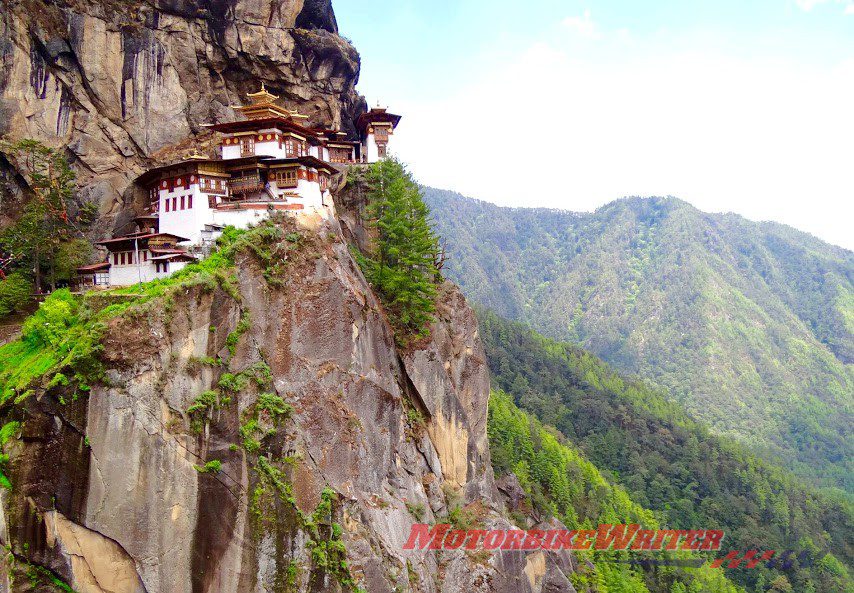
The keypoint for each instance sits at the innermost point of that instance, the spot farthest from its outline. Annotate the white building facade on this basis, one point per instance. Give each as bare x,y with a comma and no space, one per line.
270,161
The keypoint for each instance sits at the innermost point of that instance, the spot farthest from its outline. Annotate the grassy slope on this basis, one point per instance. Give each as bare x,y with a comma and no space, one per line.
748,324
667,462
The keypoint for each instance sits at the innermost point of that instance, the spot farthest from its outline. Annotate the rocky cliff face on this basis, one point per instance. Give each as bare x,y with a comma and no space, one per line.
124,84
253,430
256,429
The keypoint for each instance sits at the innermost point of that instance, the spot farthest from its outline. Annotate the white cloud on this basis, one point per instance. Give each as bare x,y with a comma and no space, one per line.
582,25
766,139
808,5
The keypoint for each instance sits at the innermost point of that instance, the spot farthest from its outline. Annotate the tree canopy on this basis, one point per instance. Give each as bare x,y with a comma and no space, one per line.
48,233
401,262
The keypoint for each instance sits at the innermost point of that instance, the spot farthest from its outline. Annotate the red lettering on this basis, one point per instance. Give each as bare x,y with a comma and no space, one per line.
421,535
584,539
475,535
712,540
617,535
692,540
735,561
643,540
493,539
513,540
674,539
765,556
454,539
533,539
549,539
563,540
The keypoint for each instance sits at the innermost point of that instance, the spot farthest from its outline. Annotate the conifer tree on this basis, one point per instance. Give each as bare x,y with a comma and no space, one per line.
401,264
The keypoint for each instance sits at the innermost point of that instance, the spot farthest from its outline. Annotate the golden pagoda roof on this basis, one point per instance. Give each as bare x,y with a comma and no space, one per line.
262,96
263,106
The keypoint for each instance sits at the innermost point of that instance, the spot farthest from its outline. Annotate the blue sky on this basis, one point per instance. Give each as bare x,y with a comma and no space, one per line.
733,106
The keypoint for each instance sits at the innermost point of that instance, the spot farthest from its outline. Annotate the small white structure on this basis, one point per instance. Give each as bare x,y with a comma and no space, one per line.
142,256
376,128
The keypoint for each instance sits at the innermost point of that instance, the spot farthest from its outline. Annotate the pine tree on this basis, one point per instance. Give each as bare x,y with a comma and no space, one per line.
401,264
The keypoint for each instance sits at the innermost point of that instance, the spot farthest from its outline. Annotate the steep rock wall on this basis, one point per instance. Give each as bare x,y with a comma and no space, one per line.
125,84
111,492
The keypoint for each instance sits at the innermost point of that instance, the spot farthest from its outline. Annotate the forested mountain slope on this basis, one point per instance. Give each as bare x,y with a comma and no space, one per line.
750,325
665,461
557,480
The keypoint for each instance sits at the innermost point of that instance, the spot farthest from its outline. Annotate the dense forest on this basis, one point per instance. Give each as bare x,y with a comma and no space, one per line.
750,326
675,467
560,482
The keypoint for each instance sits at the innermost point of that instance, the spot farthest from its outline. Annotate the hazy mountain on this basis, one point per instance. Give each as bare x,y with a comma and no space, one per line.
750,325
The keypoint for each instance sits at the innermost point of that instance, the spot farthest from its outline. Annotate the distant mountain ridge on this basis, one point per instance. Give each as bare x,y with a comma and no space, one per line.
750,325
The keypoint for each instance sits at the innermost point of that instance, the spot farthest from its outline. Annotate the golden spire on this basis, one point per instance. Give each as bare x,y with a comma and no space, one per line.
262,97
263,106
195,156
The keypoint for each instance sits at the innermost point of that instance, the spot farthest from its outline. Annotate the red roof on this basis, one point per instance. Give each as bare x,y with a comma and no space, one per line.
173,256
263,123
154,174
167,250
140,236
376,114
104,265
307,160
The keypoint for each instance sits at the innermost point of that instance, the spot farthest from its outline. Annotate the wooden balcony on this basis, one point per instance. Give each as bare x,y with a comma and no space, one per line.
245,185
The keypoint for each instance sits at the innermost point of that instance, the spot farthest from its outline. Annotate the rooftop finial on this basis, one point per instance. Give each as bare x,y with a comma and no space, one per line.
262,96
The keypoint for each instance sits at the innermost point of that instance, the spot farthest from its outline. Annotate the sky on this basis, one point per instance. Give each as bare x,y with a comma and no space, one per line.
732,105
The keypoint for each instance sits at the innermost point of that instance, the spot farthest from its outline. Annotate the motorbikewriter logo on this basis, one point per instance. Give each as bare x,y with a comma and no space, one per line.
606,537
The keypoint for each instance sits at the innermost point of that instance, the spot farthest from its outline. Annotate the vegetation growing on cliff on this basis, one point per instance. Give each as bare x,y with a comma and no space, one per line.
666,462
401,264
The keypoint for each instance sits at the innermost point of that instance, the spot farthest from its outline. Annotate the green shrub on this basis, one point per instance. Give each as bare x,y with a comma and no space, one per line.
214,466
15,292
274,405
49,324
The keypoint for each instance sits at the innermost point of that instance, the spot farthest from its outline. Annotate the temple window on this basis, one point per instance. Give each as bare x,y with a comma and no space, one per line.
381,152
247,146
293,148
286,178
339,155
